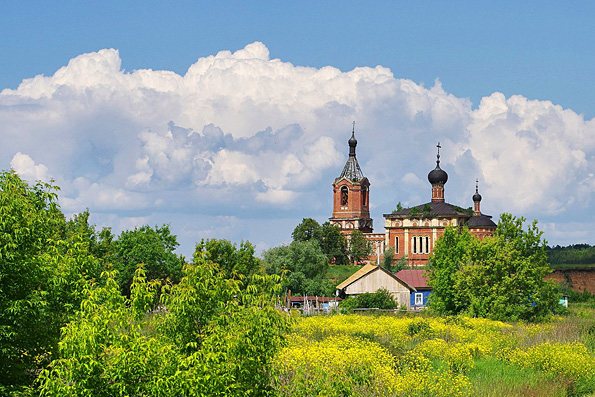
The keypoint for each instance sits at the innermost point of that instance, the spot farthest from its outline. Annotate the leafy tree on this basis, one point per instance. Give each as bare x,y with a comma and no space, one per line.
307,230
399,206
333,244
449,255
153,247
303,263
43,268
388,260
214,339
359,247
235,262
500,278
100,244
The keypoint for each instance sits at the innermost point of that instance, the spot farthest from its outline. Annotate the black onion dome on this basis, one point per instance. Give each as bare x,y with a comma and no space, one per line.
352,141
438,175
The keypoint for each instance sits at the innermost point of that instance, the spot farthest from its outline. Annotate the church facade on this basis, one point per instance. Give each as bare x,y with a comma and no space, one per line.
411,232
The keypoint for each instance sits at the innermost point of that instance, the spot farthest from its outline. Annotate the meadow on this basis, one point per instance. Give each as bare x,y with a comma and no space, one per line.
423,355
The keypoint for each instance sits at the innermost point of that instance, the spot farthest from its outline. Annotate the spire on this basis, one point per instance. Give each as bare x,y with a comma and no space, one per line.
438,178
352,142
476,199
352,171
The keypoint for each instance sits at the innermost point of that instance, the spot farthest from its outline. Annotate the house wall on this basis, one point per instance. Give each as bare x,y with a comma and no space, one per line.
377,279
426,295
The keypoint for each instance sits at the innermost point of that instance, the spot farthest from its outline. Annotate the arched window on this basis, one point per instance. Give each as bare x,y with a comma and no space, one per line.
344,195
397,245
414,244
364,196
427,245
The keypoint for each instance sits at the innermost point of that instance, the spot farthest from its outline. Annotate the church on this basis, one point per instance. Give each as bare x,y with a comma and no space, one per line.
410,232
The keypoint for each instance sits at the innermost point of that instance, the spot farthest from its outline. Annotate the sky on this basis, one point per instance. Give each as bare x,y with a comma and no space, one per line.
231,119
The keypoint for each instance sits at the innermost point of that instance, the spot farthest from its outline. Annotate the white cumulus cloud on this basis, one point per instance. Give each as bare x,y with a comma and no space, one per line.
248,137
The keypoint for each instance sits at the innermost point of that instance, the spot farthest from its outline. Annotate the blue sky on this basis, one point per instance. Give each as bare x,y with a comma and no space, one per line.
112,142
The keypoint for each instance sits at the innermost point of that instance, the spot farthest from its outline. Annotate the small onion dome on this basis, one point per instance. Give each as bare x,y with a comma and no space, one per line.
437,175
352,140
476,197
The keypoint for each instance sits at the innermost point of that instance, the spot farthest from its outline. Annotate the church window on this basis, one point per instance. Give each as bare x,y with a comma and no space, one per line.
427,245
344,195
397,245
414,244
364,196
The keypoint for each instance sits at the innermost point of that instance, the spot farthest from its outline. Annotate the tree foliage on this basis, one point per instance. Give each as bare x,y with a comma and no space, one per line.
43,268
208,338
359,247
332,242
235,262
303,264
500,278
153,247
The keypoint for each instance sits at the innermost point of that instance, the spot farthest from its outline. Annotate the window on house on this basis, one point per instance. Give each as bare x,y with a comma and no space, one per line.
419,299
344,195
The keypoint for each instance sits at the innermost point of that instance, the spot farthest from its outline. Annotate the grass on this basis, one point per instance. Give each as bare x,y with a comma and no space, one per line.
492,377
339,273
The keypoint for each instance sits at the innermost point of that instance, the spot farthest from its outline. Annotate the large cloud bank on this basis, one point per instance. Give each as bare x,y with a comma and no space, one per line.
243,146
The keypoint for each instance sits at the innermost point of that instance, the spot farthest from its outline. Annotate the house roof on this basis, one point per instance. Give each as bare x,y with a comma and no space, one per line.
367,269
484,221
414,277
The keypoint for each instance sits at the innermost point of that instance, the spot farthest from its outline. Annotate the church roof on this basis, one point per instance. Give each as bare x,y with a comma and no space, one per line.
431,210
484,221
352,171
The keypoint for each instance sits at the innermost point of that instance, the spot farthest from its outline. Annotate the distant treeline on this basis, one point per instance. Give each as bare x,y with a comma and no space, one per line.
577,254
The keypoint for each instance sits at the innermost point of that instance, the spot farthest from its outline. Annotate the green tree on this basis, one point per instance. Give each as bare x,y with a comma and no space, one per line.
303,264
43,268
359,247
449,255
500,278
214,339
236,262
388,260
333,244
307,230
153,247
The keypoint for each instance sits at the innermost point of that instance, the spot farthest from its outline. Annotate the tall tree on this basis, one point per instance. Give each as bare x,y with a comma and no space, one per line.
359,247
303,264
43,269
153,247
500,278
333,244
307,230
236,262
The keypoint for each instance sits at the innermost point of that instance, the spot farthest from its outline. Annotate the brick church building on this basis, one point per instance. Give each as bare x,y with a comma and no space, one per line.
411,232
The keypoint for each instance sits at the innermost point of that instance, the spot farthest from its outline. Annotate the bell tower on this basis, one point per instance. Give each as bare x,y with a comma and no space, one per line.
351,195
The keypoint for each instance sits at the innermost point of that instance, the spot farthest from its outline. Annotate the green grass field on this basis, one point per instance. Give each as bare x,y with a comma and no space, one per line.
339,273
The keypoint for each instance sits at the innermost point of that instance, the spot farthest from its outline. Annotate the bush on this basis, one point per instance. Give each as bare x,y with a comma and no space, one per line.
381,299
